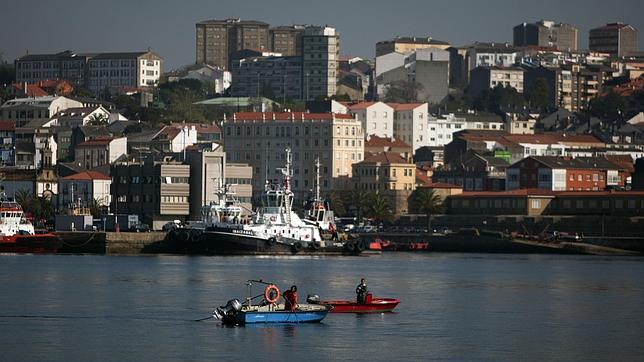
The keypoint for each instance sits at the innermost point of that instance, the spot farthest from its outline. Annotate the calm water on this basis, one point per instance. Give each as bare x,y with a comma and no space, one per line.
454,306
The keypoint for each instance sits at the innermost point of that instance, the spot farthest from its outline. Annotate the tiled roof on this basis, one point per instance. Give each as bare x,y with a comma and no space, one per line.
579,163
87,175
7,126
404,106
384,157
199,127
544,192
376,141
33,90
285,116
99,141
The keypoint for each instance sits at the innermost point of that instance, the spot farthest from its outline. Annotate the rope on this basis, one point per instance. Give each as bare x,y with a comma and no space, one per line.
78,246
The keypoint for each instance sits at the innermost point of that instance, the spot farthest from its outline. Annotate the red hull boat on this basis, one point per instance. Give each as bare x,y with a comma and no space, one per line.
38,243
372,305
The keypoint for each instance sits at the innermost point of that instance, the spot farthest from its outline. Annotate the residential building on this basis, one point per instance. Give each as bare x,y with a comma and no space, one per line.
490,54
441,129
216,39
614,38
82,189
377,118
485,77
546,33
375,144
207,177
7,143
261,140
443,190
520,124
274,77
157,191
220,78
175,138
409,44
24,110
36,147
411,122
320,61
41,182
388,174
565,174
42,88
100,151
286,40
32,68
76,117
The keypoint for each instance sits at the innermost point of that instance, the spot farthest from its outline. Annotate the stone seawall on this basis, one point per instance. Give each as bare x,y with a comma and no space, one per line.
135,243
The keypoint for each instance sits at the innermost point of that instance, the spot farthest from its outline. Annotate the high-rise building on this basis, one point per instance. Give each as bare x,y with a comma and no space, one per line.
286,40
278,78
614,38
216,39
546,33
320,61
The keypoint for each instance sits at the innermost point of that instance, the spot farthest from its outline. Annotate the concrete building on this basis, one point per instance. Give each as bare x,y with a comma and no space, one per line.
613,38
388,174
221,79
216,39
96,72
286,40
440,129
546,33
206,178
7,143
486,77
520,124
82,188
377,118
408,44
24,110
410,123
320,61
175,138
76,117
278,78
157,191
260,140
100,151
476,173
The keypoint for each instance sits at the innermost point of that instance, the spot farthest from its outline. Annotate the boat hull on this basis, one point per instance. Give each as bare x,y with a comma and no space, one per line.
37,244
223,242
376,305
305,313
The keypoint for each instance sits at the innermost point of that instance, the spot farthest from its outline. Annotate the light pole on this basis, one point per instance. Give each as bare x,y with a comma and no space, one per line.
307,87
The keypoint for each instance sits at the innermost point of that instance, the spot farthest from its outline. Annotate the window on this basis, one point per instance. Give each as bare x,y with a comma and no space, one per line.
536,204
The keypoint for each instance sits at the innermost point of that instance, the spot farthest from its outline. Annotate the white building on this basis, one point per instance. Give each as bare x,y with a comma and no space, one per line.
485,77
443,127
100,151
123,70
377,118
84,187
75,117
410,123
24,110
207,73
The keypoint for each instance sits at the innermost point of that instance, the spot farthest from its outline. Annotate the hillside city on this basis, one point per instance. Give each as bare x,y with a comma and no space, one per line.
533,129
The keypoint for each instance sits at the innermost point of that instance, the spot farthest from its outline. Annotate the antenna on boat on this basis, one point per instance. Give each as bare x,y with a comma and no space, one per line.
317,178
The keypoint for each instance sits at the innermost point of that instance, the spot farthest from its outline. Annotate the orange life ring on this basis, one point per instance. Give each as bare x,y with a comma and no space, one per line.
267,293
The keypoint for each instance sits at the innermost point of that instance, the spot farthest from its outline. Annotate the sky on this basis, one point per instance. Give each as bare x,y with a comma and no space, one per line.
168,27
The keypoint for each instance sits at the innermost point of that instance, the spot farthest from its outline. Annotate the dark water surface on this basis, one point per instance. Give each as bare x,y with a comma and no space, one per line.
454,306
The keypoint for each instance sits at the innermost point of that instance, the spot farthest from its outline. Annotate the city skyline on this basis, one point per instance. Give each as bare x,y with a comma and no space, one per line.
169,29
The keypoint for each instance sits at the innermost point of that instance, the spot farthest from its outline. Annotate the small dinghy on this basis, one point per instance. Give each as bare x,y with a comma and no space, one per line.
268,310
371,305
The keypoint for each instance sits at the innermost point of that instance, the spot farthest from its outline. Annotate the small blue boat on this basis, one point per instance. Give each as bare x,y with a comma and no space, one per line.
269,310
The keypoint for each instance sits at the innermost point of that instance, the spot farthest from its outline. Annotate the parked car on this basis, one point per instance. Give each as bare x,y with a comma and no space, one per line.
141,228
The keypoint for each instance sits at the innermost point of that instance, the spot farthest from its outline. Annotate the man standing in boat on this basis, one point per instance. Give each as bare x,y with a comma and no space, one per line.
290,298
361,291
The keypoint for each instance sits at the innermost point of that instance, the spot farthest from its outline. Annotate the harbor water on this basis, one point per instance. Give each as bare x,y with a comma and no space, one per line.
453,306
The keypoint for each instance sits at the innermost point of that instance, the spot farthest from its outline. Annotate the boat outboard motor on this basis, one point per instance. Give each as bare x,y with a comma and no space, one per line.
313,299
231,308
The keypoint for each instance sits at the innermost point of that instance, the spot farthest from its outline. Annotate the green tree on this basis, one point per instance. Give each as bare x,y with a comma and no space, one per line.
425,201
379,208
538,94
96,207
337,204
403,91
98,119
358,202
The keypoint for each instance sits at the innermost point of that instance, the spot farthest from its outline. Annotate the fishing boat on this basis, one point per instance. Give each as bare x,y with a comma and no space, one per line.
371,305
17,234
269,310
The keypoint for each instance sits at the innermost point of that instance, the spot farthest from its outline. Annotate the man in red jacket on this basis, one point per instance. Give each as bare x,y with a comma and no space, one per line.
290,298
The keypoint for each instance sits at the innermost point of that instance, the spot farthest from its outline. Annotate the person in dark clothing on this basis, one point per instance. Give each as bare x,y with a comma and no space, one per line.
361,291
290,298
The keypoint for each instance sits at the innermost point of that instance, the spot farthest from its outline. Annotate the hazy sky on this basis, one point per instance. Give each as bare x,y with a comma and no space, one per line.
168,27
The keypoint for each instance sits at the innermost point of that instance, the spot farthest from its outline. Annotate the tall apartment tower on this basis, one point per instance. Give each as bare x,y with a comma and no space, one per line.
286,40
546,33
320,61
216,39
614,38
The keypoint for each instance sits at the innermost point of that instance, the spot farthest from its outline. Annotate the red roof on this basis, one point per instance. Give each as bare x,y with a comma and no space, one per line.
384,157
7,126
99,141
544,192
377,141
32,90
285,116
404,106
87,175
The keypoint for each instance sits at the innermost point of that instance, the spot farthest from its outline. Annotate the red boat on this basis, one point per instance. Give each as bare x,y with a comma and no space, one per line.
372,305
17,234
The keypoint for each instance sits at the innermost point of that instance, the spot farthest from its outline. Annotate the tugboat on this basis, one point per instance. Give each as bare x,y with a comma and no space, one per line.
17,234
274,228
317,210
269,310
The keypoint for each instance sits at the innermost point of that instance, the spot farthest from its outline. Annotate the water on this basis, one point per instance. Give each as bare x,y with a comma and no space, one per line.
454,306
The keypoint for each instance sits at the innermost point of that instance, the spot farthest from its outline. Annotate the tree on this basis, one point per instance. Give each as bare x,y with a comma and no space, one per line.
98,119
379,208
96,207
358,202
538,94
425,201
403,91
336,202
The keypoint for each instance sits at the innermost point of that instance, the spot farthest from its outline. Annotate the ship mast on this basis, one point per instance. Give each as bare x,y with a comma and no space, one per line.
317,179
288,194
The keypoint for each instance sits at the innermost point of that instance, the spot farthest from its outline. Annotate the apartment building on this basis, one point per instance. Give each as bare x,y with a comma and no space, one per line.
546,33
286,40
83,188
100,151
278,78
320,61
408,44
216,39
410,123
377,118
260,139
485,77
613,38
7,143
32,68
23,110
